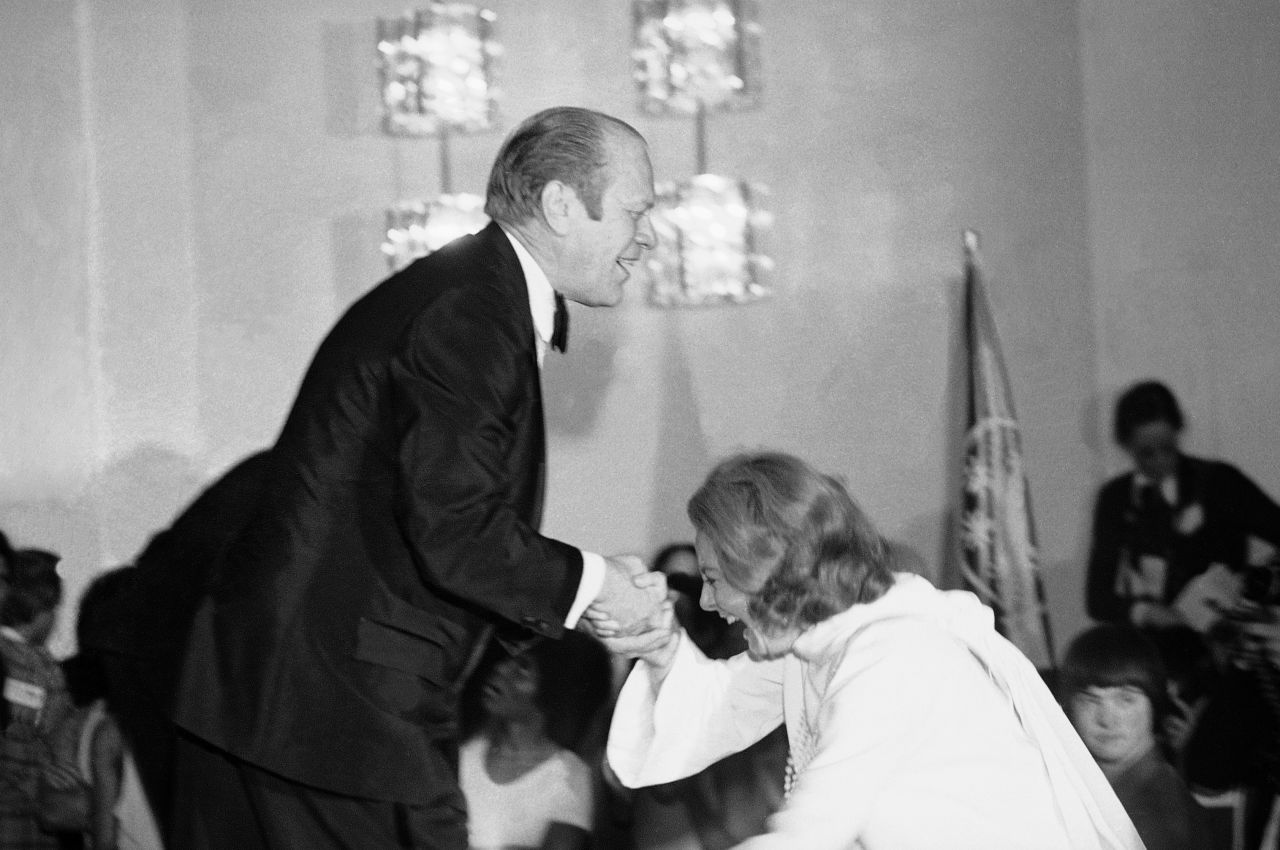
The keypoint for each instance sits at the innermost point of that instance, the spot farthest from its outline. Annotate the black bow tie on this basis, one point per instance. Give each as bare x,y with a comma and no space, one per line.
560,330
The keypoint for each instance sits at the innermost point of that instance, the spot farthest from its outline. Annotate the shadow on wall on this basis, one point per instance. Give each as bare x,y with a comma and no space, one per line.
683,457
106,524
139,494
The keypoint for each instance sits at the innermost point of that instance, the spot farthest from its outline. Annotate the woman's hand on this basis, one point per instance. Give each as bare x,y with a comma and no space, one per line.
600,621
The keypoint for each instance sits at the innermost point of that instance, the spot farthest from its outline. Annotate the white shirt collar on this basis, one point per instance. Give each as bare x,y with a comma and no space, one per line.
542,298
1168,486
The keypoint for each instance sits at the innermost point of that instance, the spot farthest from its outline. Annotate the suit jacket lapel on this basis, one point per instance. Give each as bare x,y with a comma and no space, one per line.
509,271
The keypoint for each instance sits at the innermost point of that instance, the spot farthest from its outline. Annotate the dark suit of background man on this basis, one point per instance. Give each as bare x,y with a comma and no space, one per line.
398,528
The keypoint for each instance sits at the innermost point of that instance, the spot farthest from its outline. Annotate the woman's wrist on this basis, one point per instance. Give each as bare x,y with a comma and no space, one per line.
660,659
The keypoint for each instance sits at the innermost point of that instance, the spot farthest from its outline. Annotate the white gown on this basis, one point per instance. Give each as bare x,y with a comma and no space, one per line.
913,726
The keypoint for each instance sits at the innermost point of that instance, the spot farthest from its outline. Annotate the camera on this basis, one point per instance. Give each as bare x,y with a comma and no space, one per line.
1261,583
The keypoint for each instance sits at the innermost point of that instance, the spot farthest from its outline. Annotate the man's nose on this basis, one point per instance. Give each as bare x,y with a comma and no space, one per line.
646,237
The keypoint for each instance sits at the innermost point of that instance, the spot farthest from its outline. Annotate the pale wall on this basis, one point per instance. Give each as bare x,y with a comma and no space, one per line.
1184,208
199,190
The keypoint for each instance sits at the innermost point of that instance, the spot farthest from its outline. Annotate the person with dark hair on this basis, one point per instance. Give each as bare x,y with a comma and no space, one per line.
1171,519
675,559
1114,689
90,741
912,723
523,777
36,694
6,553
397,531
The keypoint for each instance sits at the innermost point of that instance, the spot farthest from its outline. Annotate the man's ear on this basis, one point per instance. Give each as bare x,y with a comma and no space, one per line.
560,205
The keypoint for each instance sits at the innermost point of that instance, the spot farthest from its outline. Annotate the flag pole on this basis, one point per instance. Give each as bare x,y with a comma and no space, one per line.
972,267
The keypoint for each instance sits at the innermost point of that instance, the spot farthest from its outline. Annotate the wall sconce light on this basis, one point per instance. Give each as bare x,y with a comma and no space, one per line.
708,230
437,68
693,57
416,228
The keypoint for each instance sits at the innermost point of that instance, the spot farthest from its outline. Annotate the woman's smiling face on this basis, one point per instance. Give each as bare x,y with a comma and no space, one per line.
733,603
718,594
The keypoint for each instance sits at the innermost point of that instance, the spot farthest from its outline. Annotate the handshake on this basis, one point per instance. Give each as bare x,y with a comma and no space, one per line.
632,615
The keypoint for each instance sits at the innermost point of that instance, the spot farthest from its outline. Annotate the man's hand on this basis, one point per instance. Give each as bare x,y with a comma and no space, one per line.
630,601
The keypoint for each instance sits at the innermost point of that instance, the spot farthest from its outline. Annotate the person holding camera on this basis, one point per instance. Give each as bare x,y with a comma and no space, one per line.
1170,521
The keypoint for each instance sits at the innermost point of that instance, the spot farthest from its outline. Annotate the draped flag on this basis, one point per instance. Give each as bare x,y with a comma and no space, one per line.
997,531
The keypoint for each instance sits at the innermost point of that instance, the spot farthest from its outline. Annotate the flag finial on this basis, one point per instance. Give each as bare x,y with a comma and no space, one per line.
969,238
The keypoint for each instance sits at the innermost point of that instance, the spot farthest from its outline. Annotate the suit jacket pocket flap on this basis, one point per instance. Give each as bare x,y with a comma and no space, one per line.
389,646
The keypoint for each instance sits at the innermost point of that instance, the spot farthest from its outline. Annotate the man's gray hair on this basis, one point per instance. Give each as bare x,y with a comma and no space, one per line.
564,143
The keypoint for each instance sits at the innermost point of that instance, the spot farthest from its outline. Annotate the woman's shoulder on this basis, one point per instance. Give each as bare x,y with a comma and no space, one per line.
917,643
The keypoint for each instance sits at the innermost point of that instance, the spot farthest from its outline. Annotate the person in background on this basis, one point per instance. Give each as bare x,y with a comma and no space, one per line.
912,724
1169,520
121,817
1234,745
525,784
675,559
35,692
1115,693
6,553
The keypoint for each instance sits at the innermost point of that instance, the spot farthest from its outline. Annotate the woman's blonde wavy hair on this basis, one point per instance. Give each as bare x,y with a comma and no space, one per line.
791,538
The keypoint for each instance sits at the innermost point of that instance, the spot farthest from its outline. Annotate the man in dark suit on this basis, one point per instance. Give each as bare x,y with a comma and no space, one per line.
397,530
1170,519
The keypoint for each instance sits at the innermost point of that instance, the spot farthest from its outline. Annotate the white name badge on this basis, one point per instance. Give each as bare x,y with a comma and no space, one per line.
23,693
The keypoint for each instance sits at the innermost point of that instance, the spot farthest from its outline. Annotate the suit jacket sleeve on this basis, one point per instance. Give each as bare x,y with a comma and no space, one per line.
1101,600
1259,514
466,399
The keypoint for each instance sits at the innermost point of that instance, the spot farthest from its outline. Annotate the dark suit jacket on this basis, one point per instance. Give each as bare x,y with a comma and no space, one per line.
1233,506
397,528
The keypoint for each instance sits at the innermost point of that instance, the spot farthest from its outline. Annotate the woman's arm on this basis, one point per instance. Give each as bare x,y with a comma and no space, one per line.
107,761
674,719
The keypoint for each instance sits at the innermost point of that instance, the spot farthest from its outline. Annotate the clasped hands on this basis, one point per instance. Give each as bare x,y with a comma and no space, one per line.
632,615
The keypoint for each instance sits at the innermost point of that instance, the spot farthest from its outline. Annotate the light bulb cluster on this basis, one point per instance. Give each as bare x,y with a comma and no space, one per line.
696,53
709,229
416,228
437,68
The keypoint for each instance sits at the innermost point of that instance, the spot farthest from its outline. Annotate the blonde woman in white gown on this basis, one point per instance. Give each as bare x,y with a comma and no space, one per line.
912,724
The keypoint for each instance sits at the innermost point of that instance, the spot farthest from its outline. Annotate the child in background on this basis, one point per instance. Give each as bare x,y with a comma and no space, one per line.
1115,694
525,785
120,815
35,694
